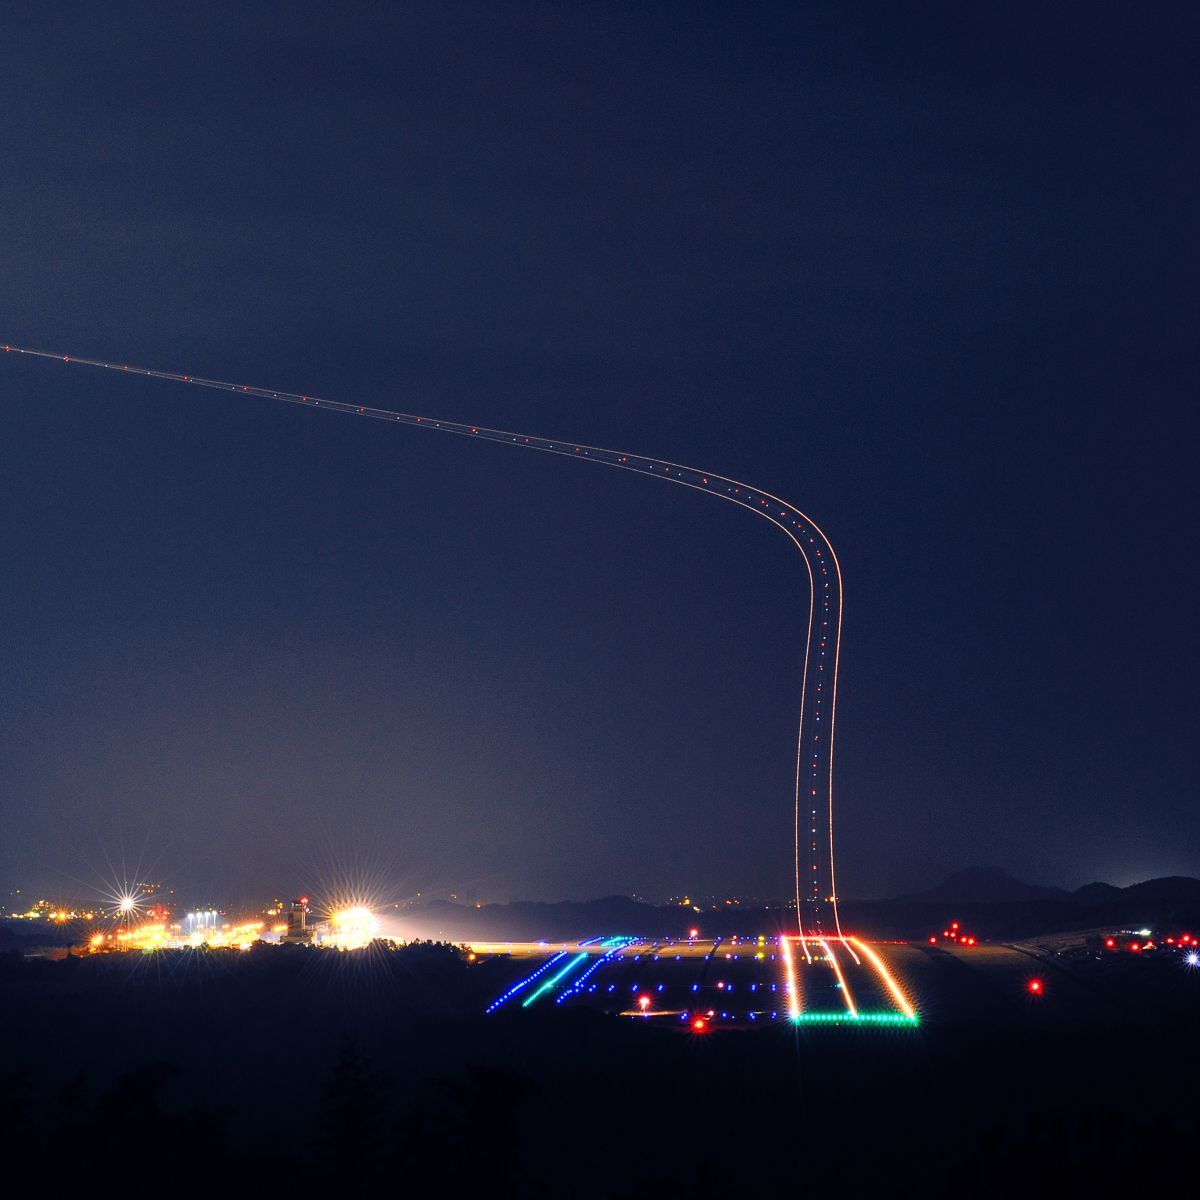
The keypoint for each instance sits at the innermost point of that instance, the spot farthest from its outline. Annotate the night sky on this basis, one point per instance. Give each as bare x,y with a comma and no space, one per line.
929,273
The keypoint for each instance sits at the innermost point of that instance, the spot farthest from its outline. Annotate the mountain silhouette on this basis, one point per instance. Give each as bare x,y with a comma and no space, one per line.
983,885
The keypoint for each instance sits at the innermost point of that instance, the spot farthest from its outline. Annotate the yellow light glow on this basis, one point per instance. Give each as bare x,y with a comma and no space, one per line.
353,928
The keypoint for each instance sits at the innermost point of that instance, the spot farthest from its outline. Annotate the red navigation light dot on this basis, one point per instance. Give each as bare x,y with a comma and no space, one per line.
643,1002
1034,987
1110,942
699,1025
953,924
1135,947
693,933
933,941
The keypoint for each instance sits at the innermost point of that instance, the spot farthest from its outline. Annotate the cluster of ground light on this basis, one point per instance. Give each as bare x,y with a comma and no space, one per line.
345,929
711,983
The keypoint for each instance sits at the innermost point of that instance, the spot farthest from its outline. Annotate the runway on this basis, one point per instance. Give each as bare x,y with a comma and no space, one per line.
710,983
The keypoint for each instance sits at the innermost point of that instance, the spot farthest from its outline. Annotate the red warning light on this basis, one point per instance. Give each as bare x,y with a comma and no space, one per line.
693,934
932,940
1110,943
699,1025
1034,987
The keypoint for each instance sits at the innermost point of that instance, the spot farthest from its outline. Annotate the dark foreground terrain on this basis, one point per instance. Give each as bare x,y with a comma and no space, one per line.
288,1071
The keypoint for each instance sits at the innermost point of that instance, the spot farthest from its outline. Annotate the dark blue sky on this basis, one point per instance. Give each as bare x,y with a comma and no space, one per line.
931,276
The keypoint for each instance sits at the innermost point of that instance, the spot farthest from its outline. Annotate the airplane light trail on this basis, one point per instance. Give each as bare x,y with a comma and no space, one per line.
793,995
837,970
888,978
823,625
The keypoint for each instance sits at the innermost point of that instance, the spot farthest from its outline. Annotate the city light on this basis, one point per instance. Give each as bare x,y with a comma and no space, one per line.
352,928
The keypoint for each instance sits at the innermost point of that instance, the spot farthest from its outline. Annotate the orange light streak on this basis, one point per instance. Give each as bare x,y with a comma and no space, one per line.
837,970
850,950
888,978
789,968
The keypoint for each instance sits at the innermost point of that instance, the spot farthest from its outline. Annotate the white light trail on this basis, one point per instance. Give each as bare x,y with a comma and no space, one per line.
823,627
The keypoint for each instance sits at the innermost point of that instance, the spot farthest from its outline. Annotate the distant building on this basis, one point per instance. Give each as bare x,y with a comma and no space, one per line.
297,921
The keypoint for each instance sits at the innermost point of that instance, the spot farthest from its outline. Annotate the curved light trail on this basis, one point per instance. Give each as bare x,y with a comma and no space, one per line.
888,978
847,999
816,887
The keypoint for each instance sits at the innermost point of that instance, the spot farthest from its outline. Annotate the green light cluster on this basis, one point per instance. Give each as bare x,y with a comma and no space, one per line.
551,982
860,1019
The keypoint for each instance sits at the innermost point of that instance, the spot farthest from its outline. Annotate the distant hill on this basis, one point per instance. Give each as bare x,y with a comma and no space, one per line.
992,904
1097,893
988,901
528,920
30,938
983,885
